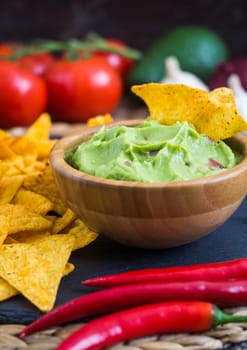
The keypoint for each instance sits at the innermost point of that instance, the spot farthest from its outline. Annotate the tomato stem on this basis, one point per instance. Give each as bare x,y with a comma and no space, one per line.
102,45
93,42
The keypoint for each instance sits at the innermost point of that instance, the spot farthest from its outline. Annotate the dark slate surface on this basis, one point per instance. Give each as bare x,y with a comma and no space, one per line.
103,257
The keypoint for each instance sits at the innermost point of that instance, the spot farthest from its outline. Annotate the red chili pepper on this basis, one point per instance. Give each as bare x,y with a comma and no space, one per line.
230,293
146,320
232,269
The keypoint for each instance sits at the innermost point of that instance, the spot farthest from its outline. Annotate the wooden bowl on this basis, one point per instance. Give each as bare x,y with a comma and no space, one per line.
157,215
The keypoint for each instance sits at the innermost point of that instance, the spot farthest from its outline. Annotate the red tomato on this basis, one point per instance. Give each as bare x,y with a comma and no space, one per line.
7,49
38,63
82,89
122,64
23,96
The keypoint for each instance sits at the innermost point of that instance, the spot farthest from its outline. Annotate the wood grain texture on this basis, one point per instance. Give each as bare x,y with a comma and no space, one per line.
158,215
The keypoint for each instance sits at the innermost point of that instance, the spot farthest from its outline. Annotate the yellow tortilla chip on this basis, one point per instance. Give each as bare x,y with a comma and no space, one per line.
33,201
36,139
100,120
4,168
9,185
23,146
51,217
28,163
6,290
64,221
29,236
15,166
10,240
4,228
6,151
36,269
38,133
220,118
212,113
69,267
83,235
43,148
40,129
21,219
43,183
169,103
5,137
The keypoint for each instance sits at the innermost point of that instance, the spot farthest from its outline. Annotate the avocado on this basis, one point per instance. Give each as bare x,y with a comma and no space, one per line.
197,48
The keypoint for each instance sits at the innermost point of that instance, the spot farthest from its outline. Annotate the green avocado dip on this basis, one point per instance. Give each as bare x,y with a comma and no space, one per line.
151,152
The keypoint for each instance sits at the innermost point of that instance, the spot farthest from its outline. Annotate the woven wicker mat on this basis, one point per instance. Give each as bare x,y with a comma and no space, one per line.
230,336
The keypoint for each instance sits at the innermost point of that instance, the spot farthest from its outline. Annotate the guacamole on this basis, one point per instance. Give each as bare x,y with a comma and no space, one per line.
152,152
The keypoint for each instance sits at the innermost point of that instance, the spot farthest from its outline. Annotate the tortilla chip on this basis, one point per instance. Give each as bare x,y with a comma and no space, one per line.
29,236
6,290
4,228
16,164
9,185
83,235
36,269
220,118
169,103
28,163
43,148
6,151
4,168
36,139
69,267
60,223
5,137
33,201
40,129
10,240
38,133
21,219
212,113
23,146
100,120
43,183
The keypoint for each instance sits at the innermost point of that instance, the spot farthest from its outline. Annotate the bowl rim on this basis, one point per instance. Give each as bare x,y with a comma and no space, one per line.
73,139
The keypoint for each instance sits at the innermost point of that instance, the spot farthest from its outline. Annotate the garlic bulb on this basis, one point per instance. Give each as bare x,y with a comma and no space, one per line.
174,75
240,94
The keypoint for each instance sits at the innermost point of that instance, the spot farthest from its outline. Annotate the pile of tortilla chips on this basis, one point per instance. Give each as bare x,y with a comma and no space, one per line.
38,231
212,113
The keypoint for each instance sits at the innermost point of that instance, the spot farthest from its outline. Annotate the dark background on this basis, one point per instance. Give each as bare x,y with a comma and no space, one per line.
137,22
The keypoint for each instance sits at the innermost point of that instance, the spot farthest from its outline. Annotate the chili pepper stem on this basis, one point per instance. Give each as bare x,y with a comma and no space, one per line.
220,318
